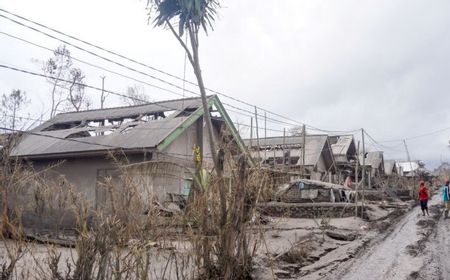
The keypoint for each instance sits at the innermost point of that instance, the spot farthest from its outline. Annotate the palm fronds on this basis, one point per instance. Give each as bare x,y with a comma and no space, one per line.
194,13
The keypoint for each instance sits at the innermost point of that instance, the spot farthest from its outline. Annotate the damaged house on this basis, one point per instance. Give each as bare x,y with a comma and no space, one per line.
390,168
345,155
374,165
78,146
290,152
304,191
410,169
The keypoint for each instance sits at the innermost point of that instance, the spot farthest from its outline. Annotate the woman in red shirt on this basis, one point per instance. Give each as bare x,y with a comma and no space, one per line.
423,198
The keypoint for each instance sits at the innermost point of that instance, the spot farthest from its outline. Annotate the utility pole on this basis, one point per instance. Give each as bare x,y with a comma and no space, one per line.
410,165
265,135
304,150
284,145
257,135
251,132
363,179
356,181
103,96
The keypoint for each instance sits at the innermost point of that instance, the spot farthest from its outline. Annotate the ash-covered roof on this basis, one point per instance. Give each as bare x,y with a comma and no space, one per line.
315,145
343,144
373,159
408,166
128,128
390,167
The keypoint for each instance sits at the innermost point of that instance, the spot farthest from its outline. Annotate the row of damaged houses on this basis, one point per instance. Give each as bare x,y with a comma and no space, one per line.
83,149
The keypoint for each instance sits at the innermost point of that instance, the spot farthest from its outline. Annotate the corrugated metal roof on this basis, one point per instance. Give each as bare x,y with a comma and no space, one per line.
373,159
142,135
389,167
408,166
315,145
128,111
342,145
310,159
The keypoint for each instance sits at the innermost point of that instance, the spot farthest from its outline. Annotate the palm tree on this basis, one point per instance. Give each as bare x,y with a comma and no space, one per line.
191,16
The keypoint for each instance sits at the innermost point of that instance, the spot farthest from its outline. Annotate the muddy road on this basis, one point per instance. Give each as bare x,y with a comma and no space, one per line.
417,247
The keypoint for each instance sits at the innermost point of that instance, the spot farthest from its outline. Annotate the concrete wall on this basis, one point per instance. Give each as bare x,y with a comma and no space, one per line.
310,210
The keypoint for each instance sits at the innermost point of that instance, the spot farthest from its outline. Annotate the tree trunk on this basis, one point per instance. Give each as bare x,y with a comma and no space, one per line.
198,74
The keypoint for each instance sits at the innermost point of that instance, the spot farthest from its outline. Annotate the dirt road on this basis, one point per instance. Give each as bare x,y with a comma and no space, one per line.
417,248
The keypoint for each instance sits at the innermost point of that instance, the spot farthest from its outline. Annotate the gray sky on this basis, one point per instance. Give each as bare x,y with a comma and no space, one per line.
337,65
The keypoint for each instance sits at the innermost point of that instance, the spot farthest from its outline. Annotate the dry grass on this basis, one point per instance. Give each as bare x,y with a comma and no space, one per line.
130,236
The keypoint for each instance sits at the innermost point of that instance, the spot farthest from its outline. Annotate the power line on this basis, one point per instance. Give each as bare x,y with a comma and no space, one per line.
98,89
381,145
150,67
96,55
139,63
155,69
84,85
137,80
420,135
91,64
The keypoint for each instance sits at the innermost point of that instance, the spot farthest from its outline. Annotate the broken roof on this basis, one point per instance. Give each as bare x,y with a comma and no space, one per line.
343,144
131,128
127,111
373,159
408,166
315,145
390,167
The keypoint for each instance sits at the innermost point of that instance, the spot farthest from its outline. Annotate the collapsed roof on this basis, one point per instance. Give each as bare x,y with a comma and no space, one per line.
315,146
344,149
131,128
375,160
390,167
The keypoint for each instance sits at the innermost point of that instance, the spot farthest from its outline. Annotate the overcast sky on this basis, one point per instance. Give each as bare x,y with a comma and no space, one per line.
336,65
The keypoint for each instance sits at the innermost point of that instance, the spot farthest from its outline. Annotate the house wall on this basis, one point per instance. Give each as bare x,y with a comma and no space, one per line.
86,174
320,170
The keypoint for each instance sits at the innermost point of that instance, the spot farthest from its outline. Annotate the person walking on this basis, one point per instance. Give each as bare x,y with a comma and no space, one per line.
423,198
446,198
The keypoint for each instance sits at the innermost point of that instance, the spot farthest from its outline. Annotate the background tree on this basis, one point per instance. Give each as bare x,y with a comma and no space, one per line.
135,95
77,97
12,104
296,130
67,82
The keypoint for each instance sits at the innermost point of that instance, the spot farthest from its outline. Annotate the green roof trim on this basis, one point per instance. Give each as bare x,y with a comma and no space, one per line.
181,128
213,100
232,128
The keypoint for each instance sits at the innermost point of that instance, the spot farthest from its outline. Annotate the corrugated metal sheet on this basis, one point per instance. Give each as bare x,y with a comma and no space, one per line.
342,146
408,166
143,135
373,159
315,145
389,167
129,111
310,159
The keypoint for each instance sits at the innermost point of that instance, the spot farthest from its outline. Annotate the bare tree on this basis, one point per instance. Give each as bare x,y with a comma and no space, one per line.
67,82
296,130
76,97
12,104
135,95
